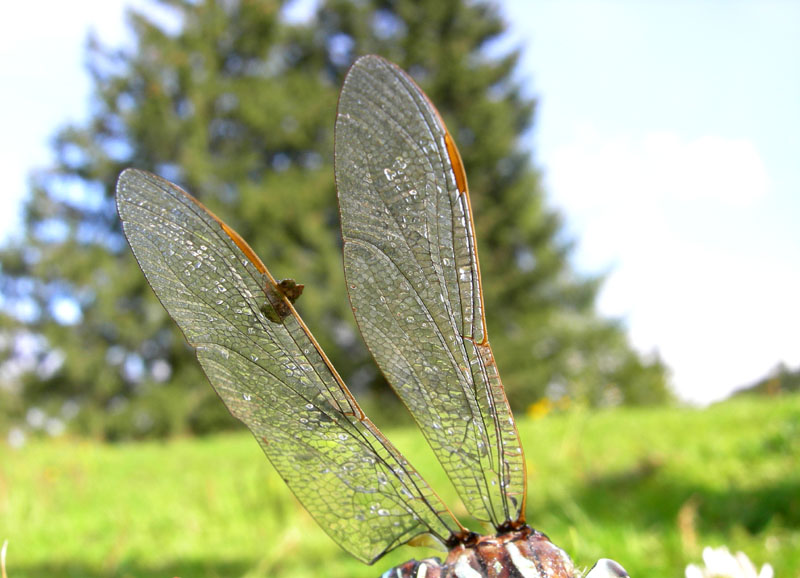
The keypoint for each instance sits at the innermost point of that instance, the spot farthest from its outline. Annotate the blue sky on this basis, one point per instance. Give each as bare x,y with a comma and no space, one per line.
668,133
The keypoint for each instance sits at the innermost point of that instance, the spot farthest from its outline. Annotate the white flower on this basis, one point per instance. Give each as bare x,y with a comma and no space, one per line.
605,568
3,559
720,563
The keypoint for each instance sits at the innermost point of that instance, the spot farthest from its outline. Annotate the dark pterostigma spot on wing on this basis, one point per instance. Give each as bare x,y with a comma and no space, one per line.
275,308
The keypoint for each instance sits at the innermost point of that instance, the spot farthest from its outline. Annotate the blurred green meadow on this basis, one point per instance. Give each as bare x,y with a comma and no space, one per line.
647,487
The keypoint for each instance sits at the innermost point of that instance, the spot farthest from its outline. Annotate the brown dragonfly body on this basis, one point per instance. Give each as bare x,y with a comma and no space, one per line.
414,283
524,552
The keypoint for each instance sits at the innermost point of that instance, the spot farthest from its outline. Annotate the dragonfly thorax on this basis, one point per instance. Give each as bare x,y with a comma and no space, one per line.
524,552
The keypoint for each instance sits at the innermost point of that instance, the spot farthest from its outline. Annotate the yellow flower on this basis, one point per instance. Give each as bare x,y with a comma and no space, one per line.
539,409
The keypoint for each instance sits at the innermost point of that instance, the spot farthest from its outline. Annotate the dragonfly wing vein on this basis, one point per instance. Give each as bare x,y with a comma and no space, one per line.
414,283
273,376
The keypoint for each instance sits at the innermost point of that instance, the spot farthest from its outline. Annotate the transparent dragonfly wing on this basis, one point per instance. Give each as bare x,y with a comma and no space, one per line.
412,274
272,375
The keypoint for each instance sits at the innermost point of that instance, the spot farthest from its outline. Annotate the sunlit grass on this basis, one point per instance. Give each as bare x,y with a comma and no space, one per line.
649,488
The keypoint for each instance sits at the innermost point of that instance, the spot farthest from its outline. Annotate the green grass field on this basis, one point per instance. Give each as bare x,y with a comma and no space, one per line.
648,488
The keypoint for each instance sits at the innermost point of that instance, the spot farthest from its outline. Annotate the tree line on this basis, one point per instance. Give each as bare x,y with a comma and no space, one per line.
236,103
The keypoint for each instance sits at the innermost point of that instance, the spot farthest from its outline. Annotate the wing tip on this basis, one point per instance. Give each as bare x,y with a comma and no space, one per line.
126,183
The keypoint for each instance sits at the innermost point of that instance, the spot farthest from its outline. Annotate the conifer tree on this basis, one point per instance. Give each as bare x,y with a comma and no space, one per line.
237,106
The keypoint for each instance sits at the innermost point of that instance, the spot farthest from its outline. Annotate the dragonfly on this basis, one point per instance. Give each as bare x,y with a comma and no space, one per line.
411,267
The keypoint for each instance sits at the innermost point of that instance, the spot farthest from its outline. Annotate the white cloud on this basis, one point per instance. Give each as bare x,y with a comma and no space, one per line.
729,171
664,214
42,54
592,172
